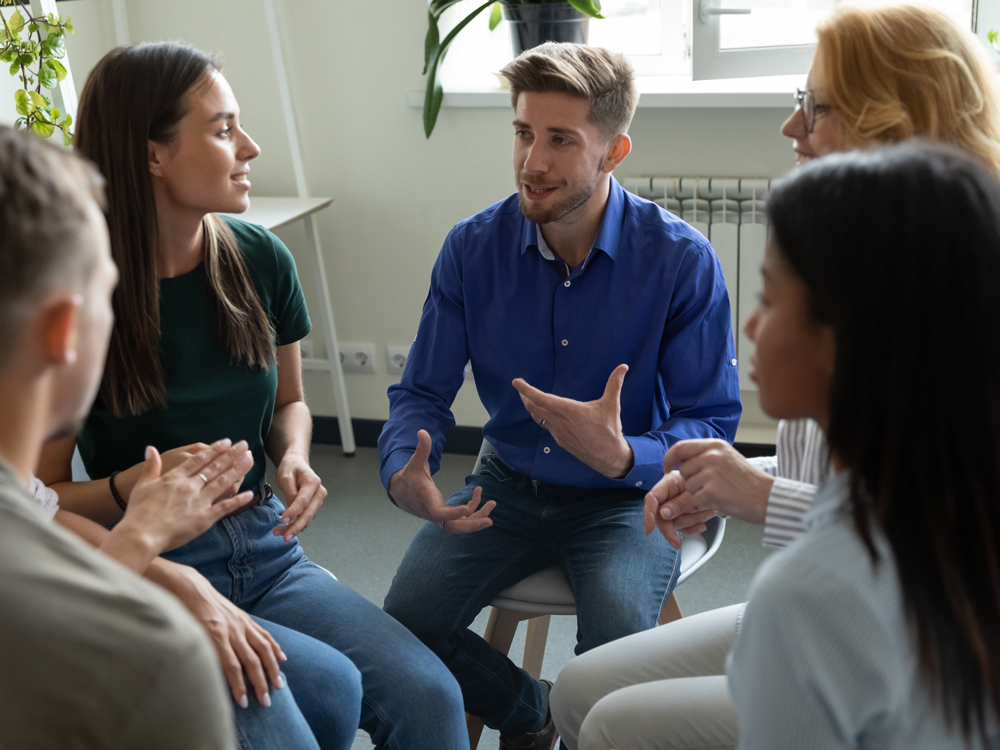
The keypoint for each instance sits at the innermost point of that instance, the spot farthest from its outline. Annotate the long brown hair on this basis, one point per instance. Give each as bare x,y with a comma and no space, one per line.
135,95
901,71
899,249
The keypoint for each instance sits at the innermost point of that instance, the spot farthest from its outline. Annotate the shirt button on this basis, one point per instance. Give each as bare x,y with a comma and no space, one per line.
546,449
733,363
566,283
638,484
565,342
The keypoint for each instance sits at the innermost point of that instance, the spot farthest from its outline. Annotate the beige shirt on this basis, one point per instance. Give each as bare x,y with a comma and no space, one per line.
92,656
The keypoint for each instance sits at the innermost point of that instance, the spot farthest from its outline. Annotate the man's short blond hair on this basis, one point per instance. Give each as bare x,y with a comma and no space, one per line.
604,78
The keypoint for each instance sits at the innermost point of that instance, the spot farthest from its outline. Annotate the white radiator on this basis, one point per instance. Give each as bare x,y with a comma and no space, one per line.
730,212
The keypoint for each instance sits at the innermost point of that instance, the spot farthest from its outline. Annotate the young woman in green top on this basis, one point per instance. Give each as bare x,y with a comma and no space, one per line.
209,313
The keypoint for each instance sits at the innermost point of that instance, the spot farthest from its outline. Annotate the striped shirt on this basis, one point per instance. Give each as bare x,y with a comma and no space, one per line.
802,464
823,660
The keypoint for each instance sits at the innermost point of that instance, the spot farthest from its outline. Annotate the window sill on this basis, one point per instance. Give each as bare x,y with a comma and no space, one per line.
678,92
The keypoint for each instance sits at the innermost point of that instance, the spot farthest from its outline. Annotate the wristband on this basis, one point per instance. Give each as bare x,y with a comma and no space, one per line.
114,491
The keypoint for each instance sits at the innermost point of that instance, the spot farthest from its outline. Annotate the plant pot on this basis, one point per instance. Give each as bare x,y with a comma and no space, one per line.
536,23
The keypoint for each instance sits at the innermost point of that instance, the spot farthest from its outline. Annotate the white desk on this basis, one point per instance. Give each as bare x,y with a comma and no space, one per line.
272,213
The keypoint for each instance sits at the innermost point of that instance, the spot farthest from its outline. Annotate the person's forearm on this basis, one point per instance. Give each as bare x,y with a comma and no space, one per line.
291,431
93,499
131,547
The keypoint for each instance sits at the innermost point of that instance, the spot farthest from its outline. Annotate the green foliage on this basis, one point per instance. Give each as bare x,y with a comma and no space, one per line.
994,38
435,49
33,46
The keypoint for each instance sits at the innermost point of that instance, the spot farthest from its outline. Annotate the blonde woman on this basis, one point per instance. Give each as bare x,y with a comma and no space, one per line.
879,76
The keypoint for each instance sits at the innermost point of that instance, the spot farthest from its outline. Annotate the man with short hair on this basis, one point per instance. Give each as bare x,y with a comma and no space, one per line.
93,656
549,293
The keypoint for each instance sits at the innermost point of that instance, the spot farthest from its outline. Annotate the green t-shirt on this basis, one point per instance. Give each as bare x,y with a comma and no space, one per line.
208,397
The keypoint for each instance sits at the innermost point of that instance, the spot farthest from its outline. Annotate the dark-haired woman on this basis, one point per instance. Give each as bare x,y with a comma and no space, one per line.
209,313
881,627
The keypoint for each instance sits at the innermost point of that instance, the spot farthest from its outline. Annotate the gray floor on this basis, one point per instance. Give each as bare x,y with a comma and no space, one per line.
361,537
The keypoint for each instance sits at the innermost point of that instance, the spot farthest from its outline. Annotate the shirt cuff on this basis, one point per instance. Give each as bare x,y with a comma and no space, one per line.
647,464
767,464
393,463
786,506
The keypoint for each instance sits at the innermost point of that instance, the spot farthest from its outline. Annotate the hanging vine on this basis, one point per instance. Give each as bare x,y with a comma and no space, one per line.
33,46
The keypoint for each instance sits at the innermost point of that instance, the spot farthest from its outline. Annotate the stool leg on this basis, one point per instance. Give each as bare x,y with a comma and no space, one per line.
671,610
499,634
534,645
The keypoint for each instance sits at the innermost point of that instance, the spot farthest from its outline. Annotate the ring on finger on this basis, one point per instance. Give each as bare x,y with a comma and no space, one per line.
542,424
203,477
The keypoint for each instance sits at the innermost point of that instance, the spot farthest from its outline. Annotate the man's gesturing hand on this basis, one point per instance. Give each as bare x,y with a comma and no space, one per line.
413,489
589,430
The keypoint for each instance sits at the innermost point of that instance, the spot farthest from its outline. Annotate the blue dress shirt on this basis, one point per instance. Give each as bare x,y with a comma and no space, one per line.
650,295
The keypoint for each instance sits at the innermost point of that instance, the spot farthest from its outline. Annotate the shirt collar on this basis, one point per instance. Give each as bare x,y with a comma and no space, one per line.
832,496
608,236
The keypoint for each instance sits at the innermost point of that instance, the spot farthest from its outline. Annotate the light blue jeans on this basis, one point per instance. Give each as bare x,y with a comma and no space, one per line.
618,575
349,663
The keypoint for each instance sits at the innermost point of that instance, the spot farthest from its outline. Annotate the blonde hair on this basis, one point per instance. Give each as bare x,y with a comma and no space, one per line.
604,78
902,71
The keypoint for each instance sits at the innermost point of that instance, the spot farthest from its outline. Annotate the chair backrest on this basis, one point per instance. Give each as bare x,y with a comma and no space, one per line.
485,449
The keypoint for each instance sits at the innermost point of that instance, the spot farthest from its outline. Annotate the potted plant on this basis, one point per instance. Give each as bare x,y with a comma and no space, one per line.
33,46
532,23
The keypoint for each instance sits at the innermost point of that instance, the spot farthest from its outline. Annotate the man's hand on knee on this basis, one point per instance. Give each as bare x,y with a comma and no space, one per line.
413,489
589,430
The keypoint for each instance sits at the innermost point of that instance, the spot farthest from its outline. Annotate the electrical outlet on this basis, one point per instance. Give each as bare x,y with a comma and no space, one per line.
307,348
357,357
395,359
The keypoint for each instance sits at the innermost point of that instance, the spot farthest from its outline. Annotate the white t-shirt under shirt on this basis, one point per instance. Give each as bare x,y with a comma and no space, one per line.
93,656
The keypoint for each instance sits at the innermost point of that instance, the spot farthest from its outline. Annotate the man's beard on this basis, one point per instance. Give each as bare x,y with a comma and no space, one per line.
534,212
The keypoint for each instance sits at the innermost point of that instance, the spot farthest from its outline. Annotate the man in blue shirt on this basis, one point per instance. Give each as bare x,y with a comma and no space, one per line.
598,327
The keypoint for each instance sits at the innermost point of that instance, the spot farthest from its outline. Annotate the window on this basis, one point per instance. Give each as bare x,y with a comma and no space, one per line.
742,38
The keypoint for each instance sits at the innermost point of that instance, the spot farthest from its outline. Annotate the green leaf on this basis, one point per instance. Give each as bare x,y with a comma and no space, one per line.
994,38
437,7
432,42
69,25
16,22
67,121
58,67
26,59
32,28
47,76
67,139
591,8
38,100
23,102
15,68
435,93
496,15
44,129
56,45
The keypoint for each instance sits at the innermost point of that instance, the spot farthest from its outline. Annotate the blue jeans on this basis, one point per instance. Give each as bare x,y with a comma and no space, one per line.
618,575
349,663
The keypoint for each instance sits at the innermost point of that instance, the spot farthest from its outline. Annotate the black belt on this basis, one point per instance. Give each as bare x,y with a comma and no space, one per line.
547,492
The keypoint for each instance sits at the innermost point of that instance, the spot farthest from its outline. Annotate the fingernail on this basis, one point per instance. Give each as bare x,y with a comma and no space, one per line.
224,443
149,452
247,459
267,700
665,514
242,445
282,656
244,703
280,682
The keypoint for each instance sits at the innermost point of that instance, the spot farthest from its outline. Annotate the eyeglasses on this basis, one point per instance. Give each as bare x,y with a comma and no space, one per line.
810,109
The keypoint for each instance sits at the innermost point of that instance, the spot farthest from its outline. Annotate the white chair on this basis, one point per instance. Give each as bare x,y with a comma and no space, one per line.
546,593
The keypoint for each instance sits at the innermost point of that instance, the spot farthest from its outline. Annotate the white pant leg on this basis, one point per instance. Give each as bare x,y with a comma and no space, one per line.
692,647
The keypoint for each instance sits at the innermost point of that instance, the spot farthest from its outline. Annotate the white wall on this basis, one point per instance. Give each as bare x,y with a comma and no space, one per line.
397,194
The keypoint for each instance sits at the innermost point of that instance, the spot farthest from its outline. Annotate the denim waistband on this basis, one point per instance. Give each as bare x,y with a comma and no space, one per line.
547,492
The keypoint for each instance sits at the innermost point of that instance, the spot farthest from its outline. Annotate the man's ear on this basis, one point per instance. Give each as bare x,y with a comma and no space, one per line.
55,328
619,147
